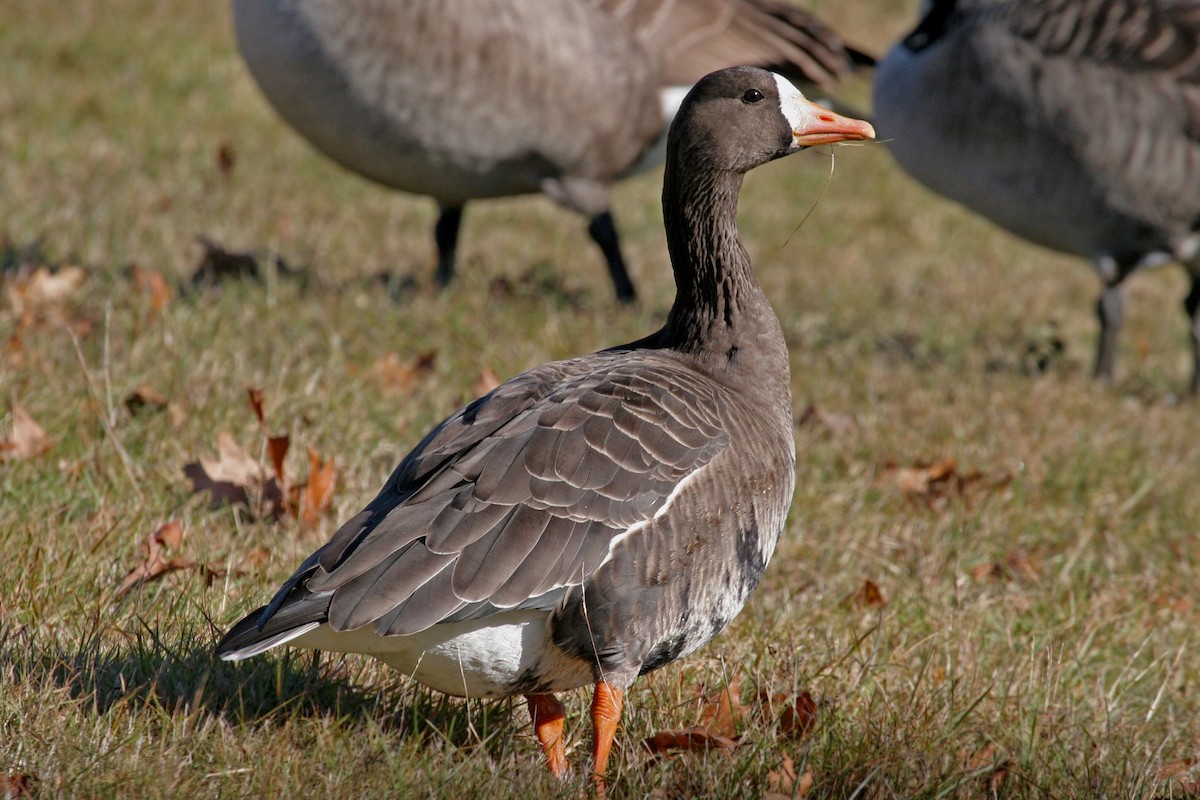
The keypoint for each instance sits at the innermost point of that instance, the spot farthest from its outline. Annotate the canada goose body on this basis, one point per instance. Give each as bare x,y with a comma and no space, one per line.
467,99
371,83
593,519
1072,123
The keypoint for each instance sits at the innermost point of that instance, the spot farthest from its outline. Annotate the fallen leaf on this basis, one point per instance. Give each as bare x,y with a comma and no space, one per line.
14,350
690,740
719,715
992,769
19,784
486,381
1177,769
153,283
784,783
836,425
225,158
145,398
722,711
1181,786
799,716
251,562
235,477
44,288
154,565
254,560
256,402
27,439
277,448
400,376
230,476
1173,602
318,493
1018,564
920,480
868,595
176,414
937,483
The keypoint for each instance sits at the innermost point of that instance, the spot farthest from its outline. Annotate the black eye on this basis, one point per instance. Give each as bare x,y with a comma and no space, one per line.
752,96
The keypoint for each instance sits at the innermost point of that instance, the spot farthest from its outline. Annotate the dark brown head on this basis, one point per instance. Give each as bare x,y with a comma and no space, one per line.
739,118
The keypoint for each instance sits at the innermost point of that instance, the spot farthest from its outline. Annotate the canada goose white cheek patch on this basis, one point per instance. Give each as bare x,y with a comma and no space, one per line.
792,104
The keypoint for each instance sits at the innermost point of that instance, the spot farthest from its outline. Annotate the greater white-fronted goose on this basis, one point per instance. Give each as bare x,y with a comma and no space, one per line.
593,519
468,99
1072,123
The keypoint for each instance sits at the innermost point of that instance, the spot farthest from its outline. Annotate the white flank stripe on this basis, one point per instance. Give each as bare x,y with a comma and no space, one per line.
637,526
663,509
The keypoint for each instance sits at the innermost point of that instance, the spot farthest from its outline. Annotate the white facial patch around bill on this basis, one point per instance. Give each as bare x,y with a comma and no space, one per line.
792,104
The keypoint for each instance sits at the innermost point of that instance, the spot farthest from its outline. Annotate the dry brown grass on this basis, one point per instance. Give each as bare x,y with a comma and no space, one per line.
1039,620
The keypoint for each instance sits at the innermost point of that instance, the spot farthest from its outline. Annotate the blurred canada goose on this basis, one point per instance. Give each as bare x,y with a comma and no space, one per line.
467,99
1072,123
593,519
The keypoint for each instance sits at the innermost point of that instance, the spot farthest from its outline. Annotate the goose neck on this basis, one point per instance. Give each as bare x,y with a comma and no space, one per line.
712,268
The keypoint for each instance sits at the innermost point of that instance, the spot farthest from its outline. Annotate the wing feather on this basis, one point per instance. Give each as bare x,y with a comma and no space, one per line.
430,604
696,37
488,564
527,577
392,581
516,496
1120,81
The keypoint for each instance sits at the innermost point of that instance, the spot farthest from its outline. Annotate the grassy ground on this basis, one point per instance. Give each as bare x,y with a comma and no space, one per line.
1034,632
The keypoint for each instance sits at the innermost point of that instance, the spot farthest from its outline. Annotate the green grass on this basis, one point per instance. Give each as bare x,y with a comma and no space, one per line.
1078,665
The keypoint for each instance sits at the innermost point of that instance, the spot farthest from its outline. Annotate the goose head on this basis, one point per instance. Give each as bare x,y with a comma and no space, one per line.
739,118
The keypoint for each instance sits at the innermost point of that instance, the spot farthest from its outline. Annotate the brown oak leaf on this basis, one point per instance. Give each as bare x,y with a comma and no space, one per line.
18,784
145,397
836,425
318,491
869,595
397,375
689,740
155,285
154,563
235,477
26,440
784,783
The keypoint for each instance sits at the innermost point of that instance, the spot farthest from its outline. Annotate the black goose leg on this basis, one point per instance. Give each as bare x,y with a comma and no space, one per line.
445,234
1192,306
604,234
1110,308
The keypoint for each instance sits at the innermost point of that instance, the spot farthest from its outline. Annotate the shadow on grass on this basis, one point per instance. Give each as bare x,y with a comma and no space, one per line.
184,678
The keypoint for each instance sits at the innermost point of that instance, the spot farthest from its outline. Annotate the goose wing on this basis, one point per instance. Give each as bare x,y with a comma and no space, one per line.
695,37
1150,37
1118,82
508,502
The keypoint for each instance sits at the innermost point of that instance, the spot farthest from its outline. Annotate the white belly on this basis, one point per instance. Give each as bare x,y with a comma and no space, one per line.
478,658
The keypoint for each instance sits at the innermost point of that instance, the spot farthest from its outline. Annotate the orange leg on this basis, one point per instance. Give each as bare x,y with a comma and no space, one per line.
548,716
606,715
